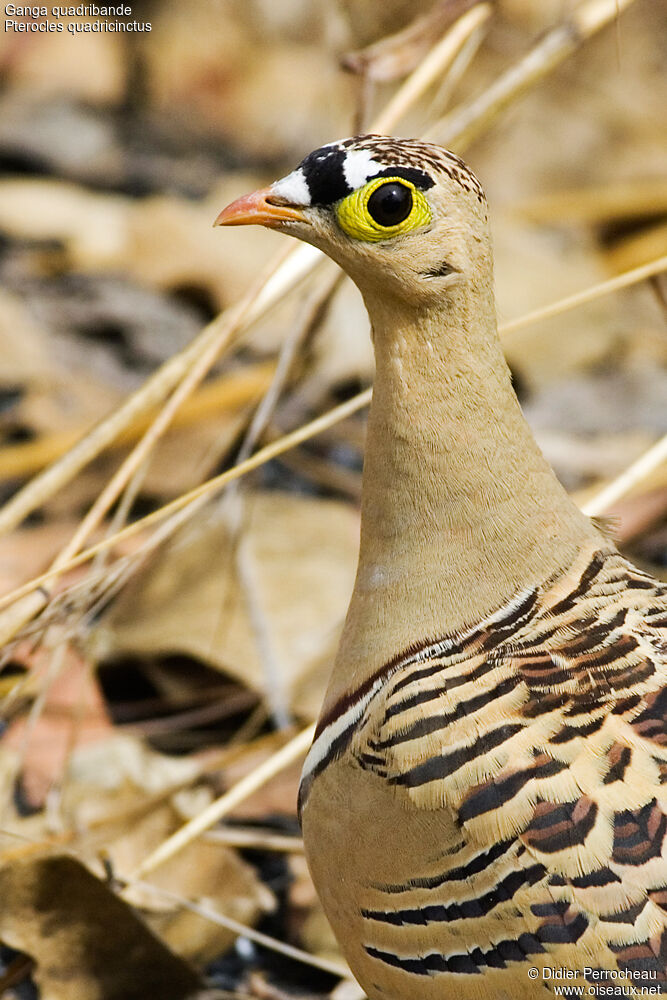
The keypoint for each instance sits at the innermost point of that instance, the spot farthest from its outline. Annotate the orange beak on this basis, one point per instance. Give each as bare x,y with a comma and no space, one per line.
258,209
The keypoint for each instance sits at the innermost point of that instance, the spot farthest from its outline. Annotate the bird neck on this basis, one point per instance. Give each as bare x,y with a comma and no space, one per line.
460,510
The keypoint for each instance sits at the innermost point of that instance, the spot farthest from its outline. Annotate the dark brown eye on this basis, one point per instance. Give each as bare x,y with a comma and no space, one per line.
390,204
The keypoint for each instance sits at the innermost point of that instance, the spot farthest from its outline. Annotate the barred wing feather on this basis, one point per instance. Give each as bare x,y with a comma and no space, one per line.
544,732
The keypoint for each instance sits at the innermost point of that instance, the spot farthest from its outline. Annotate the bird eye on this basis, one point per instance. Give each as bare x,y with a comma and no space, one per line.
383,208
390,204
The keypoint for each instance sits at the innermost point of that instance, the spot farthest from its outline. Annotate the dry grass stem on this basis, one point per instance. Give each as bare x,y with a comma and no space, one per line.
335,968
260,840
119,518
223,394
136,459
432,67
465,124
288,754
151,393
396,55
637,473
323,472
457,71
291,267
181,505
275,690
631,277
308,319
200,356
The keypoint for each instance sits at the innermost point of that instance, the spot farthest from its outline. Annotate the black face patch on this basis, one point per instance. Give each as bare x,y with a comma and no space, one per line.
323,171
325,176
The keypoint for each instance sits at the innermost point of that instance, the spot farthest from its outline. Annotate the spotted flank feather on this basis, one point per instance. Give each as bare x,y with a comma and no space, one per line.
542,734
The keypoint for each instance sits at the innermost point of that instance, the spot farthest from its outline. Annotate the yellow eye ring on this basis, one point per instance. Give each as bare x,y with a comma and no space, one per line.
355,219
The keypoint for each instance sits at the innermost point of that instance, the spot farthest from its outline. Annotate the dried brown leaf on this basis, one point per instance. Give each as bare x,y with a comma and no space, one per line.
124,800
86,942
189,599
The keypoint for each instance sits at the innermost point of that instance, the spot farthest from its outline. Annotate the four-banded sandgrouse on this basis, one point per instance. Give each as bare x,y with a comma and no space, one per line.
483,801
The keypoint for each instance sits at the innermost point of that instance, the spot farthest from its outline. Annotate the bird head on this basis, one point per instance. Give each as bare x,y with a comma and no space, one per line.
405,219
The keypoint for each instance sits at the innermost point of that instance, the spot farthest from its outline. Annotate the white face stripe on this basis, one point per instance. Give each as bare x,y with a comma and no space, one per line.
358,166
322,745
293,188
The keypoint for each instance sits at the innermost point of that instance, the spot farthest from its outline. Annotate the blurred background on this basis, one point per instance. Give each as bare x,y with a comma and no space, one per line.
137,690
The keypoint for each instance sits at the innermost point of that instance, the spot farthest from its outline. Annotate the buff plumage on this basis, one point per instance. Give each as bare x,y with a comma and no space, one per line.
485,794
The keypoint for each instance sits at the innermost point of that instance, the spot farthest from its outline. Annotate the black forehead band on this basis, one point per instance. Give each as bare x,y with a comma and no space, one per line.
324,172
418,177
